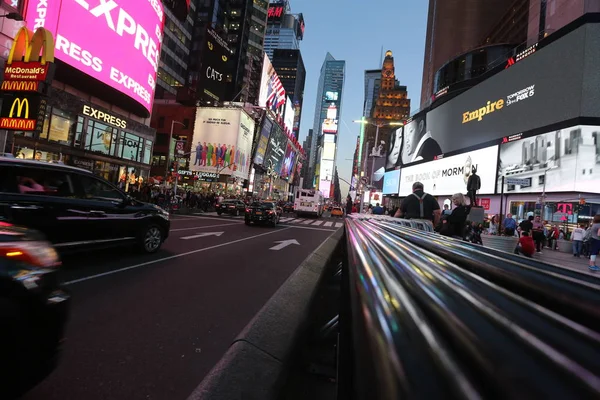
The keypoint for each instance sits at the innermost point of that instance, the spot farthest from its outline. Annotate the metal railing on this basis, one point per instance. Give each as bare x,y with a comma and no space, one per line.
434,317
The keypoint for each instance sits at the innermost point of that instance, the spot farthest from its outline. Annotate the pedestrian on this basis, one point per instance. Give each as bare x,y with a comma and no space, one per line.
537,229
493,228
457,219
526,245
526,225
419,205
348,205
595,243
378,210
510,225
577,236
447,210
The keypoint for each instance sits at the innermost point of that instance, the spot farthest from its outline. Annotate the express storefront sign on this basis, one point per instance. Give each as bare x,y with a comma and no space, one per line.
104,117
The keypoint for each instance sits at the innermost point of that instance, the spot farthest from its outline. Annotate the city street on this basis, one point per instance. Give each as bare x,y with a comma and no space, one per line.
151,326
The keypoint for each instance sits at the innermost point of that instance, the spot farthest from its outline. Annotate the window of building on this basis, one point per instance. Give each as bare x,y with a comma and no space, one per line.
101,138
130,147
162,139
148,151
60,127
161,122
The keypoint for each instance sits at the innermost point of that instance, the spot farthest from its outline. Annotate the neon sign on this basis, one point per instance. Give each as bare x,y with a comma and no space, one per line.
275,12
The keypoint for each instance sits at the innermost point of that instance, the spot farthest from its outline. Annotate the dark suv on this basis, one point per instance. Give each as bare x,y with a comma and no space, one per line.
75,209
263,212
231,207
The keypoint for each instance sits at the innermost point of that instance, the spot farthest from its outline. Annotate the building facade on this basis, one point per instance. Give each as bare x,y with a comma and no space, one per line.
284,30
290,68
372,84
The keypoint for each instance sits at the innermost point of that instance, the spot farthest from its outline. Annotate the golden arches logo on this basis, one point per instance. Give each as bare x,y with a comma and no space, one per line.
19,104
20,86
29,46
210,46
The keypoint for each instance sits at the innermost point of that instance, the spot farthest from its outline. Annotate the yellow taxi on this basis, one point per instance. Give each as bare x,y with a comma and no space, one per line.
337,212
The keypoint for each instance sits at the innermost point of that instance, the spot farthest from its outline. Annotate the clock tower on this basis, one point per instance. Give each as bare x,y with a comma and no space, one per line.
392,102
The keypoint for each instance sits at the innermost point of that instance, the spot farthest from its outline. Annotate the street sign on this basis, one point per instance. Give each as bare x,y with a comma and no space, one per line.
284,243
517,181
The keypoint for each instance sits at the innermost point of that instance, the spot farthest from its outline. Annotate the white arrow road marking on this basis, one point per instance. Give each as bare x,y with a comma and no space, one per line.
284,243
202,235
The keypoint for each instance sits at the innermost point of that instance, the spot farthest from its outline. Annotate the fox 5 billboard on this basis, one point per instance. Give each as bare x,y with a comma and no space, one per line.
559,82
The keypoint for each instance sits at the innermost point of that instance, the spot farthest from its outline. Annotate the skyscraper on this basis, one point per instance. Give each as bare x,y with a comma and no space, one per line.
284,30
372,83
291,72
327,113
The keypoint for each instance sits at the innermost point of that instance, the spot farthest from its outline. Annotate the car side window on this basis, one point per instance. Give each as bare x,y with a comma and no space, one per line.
94,189
43,182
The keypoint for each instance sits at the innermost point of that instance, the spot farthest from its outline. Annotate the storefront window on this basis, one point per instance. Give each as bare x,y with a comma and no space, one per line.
131,147
39,155
101,138
79,132
148,152
61,124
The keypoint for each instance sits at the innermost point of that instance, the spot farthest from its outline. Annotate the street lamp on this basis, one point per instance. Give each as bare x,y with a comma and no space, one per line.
378,125
173,122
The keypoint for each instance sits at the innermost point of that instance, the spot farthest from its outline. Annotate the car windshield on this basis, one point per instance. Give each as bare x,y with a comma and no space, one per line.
258,204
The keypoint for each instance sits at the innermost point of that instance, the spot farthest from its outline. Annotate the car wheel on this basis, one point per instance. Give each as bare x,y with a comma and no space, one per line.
152,239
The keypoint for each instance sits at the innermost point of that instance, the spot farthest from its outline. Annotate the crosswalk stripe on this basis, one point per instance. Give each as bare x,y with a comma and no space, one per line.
339,224
296,221
308,222
286,219
317,223
328,223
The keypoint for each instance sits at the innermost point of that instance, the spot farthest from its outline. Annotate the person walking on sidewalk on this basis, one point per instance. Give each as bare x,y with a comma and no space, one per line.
537,228
595,243
577,237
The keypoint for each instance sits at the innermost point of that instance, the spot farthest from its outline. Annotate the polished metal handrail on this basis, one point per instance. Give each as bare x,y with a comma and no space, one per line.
430,323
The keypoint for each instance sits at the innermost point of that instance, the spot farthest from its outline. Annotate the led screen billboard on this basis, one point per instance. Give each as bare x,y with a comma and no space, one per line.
117,44
328,151
330,124
276,149
550,86
271,94
222,139
216,57
391,182
449,175
288,162
263,141
325,177
563,160
288,119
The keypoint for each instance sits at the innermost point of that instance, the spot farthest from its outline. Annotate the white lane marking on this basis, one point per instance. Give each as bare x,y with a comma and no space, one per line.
309,228
308,222
295,220
87,278
284,243
328,223
202,227
339,224
203,234
317,223
286,219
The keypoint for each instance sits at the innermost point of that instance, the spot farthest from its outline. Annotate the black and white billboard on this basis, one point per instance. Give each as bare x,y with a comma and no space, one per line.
565,160
276,149
555,84
215,67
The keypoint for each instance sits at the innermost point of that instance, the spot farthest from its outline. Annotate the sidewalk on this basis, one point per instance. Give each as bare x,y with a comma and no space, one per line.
566,260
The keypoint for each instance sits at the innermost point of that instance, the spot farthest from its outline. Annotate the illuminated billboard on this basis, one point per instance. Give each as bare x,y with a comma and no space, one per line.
331,96
216,59
272,94
330,124
328,151
288,119
117,44
222,141
326,177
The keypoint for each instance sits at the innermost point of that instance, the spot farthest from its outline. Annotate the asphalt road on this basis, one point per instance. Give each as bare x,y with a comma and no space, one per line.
152,326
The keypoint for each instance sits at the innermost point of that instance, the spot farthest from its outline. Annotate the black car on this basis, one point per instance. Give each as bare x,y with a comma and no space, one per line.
231,207
33,310
263,212
288,207
75,209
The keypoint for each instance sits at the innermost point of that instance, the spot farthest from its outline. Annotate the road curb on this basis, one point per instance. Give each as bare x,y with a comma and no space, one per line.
256,364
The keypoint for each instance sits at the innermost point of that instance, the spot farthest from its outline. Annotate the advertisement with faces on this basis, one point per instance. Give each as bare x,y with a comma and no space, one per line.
288,162
222,139
563,160
411,143
94,35
449,175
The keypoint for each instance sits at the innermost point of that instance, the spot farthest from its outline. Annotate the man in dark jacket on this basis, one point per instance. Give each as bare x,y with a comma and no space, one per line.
419,205
348,205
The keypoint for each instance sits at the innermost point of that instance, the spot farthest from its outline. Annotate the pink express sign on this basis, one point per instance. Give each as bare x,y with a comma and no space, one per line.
115,41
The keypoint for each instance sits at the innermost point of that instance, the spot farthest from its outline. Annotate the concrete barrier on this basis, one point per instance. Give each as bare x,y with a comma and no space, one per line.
256,364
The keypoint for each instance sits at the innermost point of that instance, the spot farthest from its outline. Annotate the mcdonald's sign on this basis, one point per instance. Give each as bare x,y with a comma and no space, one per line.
31,58
22,113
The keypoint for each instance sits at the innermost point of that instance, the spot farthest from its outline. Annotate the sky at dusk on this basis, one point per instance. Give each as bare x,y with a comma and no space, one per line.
355,31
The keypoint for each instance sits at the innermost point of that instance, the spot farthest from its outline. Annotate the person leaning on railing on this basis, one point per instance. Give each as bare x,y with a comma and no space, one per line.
419,205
